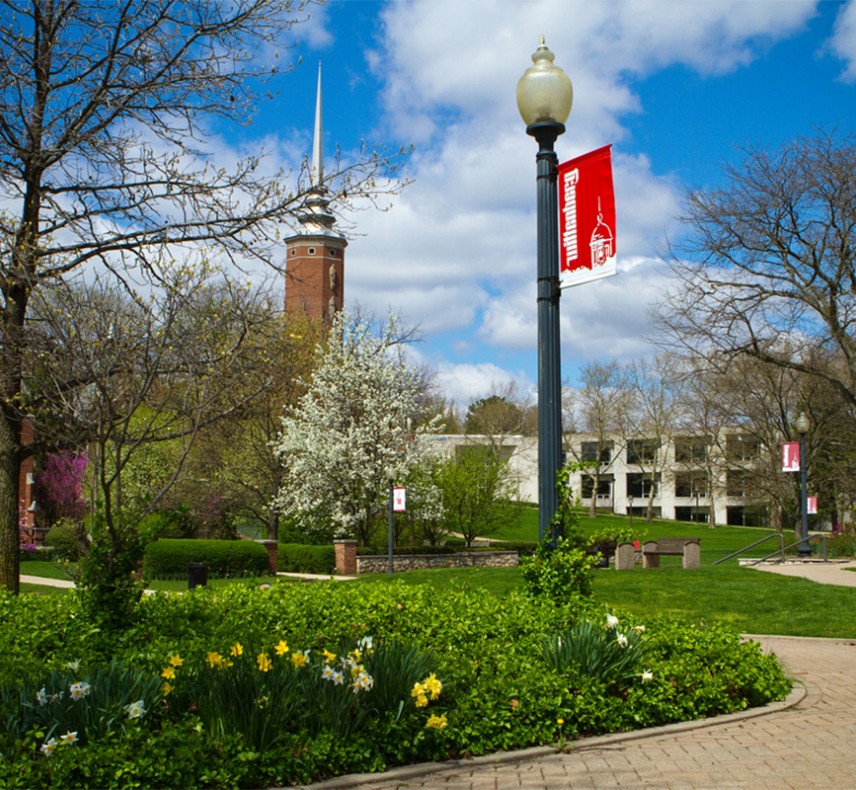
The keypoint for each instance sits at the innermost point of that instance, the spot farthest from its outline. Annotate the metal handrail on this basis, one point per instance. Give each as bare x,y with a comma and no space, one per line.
781,550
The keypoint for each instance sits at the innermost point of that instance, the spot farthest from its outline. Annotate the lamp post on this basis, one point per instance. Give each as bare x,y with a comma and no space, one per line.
544,98
802,427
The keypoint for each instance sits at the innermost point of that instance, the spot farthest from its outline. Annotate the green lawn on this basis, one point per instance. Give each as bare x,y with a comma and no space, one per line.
715,543
751,601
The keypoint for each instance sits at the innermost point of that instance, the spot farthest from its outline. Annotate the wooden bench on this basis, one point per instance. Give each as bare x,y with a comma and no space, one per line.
688,548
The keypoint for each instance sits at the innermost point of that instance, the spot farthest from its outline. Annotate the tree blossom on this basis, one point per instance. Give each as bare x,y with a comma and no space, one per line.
350,434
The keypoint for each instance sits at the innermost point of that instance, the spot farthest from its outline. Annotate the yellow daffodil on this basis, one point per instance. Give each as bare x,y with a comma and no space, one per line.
237,650
168,673
281,647
437,722
263,661
176,660
298,660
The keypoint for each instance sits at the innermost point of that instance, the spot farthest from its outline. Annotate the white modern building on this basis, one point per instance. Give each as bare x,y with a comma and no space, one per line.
684,476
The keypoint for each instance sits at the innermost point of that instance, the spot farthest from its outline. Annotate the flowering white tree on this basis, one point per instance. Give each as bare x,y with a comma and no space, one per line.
350,434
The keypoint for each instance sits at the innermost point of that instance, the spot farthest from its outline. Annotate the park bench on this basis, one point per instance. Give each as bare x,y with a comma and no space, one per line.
688,548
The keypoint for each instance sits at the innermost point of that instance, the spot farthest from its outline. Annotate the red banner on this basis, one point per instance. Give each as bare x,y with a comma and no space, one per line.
791,457
586,218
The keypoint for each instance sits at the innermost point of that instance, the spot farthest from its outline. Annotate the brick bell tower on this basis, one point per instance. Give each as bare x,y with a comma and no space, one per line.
315,257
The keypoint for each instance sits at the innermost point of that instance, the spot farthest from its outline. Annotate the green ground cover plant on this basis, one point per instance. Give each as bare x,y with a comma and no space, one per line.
243,687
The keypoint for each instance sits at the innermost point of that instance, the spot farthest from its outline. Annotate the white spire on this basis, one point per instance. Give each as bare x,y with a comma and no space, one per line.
317,145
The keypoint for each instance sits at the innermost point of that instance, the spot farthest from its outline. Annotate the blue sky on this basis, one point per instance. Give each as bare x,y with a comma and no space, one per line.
676,86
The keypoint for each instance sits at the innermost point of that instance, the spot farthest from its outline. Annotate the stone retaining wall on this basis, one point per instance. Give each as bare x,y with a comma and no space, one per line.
414,562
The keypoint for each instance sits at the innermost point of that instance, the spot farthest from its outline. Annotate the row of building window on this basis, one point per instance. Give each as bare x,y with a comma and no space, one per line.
689,449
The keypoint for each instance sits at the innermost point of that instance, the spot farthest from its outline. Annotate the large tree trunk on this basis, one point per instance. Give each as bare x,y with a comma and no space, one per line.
9,538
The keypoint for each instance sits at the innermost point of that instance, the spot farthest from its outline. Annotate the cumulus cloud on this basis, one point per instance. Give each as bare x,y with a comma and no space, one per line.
843,42
456,253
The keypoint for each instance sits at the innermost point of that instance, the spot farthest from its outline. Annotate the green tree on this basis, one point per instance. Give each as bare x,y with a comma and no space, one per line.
478,490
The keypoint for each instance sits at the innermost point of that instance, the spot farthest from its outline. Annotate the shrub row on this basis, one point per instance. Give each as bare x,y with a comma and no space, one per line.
169,558
302,558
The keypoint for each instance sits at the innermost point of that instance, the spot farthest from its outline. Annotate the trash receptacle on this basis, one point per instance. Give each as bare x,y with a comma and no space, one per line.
197,574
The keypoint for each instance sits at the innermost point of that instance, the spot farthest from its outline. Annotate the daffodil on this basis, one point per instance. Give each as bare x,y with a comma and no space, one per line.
48,747
362,682
42,696
437,722
611,621
622,640
299,660
237,650
135,710
79,690
68,739
263,660
168,673
281,647
176,660
647,676
433,686
328,656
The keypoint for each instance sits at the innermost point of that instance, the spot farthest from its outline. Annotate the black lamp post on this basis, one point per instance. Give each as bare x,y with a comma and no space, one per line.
544,97
802,427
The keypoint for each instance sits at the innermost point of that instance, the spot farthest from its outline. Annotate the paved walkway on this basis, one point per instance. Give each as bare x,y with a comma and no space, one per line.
804,742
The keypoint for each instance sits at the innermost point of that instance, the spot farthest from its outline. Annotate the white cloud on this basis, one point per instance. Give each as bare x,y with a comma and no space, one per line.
843,42
456,254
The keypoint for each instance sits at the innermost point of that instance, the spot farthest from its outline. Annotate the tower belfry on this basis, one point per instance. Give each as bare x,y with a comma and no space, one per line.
315,257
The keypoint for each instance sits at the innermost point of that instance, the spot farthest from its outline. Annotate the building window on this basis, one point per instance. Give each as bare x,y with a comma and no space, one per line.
639,485
690,485
604,487
641,451
596,451
739,447
737,483
332,253
311,250
691,449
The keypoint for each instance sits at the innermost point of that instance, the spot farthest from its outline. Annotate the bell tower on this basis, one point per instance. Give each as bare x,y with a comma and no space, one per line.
315,257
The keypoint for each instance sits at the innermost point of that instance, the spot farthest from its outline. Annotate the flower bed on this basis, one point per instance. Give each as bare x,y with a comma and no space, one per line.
242,687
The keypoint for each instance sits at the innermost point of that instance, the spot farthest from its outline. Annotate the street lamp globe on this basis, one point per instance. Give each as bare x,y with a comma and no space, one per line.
802,423
544,92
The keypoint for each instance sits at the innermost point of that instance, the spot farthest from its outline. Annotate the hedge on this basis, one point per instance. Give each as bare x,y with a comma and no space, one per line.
169,558
302,558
